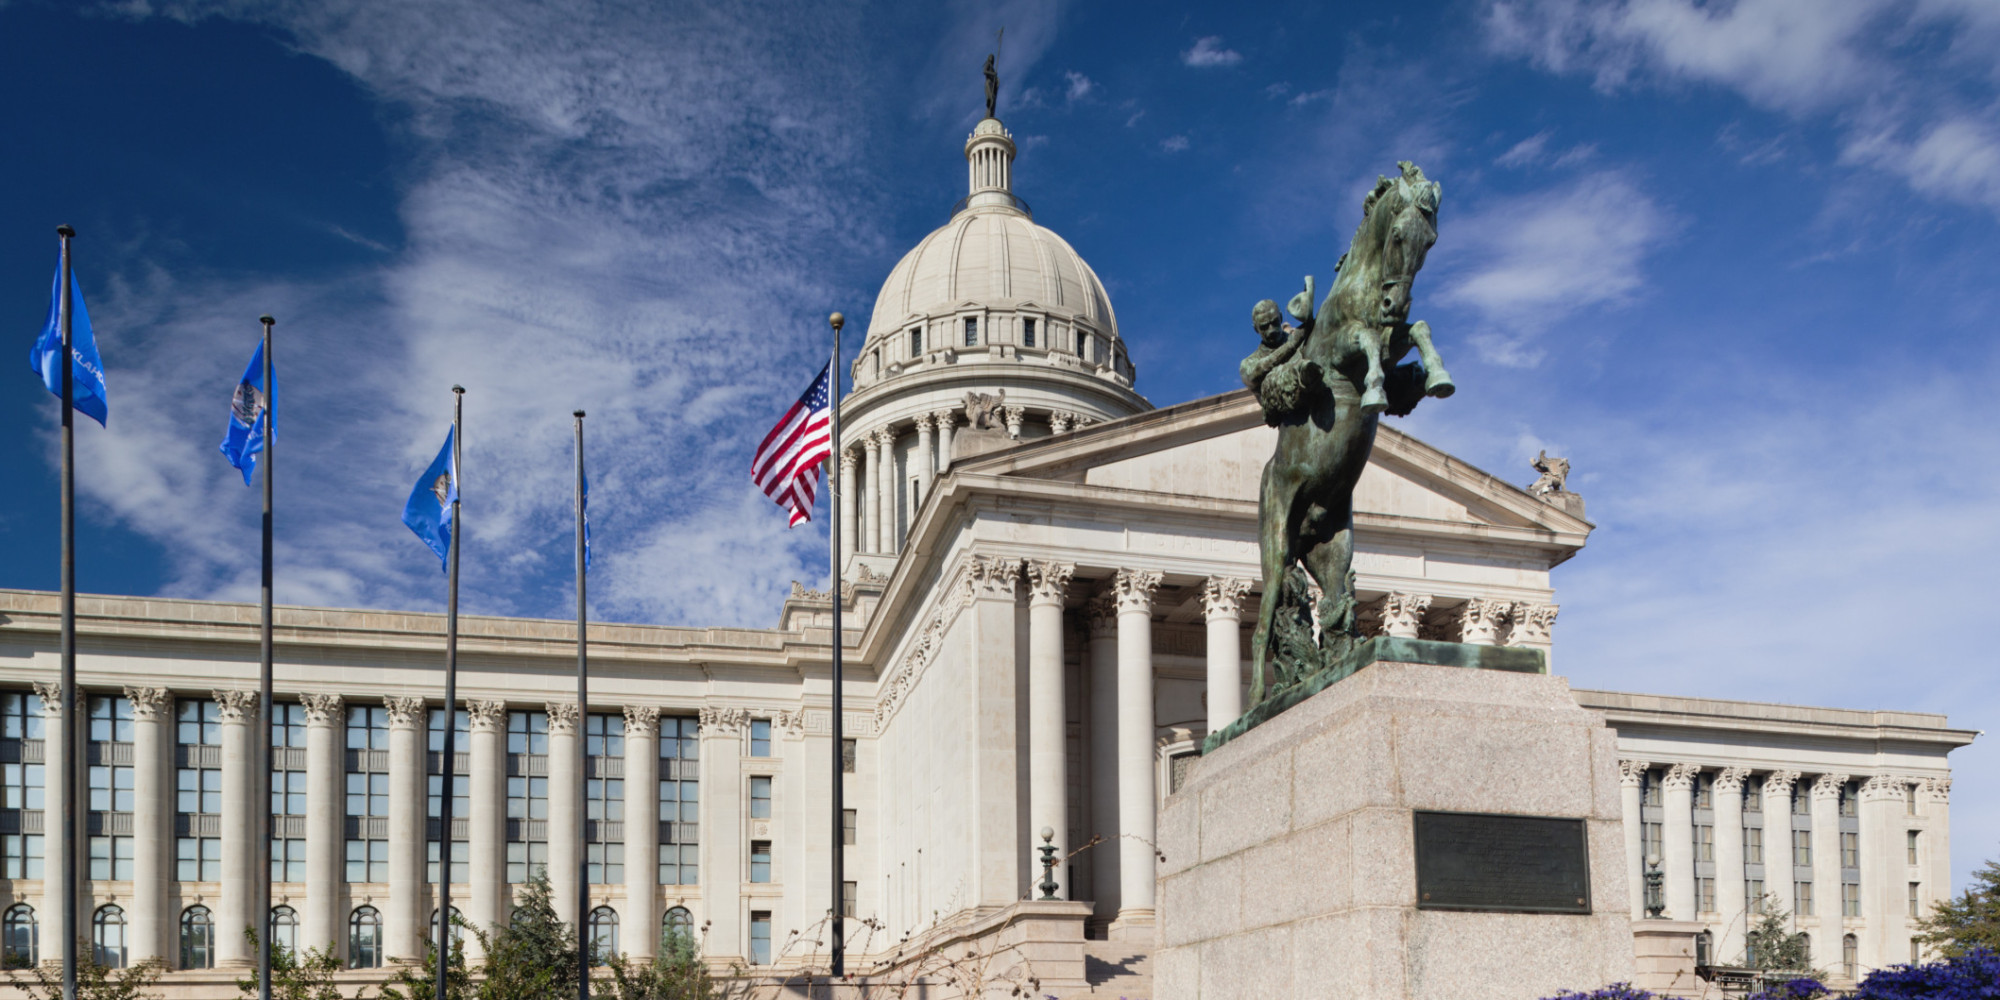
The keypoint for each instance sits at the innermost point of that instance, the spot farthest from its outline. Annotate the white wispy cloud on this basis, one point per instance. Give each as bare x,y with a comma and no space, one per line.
1209,52
1174,144
1530,150
1080,86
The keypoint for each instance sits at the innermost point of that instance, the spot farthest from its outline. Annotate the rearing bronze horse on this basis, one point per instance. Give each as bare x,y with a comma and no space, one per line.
1349,363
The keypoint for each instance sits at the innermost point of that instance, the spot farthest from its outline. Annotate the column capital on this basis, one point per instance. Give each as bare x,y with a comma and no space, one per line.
642,719
722,721
1730,779
1680,776
487,716
1532,623
1222,597
1014,415
562,717
51,695
1937,789
849,458
884,436
1480,621
993,576
407,713
148,703
872,443
1403,614
235,706
1884,787
1134,590
1102,612
946,419
1632,773
1827,786
925,422
1780,783
324,709
1048,580
1060,422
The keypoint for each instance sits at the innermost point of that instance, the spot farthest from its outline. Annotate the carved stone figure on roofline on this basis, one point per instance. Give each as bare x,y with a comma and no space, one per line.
1324,385
1551,487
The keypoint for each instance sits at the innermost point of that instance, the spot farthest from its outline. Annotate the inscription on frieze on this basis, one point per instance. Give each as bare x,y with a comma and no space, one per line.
1518,864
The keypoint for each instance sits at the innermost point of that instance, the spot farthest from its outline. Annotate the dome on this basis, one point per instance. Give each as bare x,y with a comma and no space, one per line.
998,258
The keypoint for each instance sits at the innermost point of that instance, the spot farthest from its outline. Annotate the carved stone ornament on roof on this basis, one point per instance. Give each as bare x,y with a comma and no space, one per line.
236,706
1780,783
1552,486
1632,773
993,576
1222,597
1133,589
1937,789
1048,580
486,716
51,695
1680,776
1883,787
562,717
406,712
642,720
1827,786
1480,620
1730,780
1532,623
1403,614
324,709
722,721
147,703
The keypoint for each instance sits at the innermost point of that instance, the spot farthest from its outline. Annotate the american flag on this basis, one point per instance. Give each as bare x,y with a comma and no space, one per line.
788,462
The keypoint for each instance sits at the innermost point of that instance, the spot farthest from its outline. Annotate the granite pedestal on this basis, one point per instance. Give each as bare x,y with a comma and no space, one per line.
1290,849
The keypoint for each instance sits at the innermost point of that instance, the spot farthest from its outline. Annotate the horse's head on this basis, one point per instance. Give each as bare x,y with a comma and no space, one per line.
1402,214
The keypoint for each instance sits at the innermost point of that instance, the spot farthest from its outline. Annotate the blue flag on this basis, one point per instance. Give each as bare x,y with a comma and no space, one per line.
429,511
249,407
586,520
87,385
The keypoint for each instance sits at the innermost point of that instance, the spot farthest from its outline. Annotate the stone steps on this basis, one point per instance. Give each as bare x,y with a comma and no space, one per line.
1115,970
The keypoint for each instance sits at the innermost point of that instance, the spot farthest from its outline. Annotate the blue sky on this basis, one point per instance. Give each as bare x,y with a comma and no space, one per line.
1736,260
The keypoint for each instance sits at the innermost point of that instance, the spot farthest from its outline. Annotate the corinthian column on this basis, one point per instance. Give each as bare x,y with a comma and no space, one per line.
149,821
1730,901
945,420
1778,840
58,743
885,491
1102,612
1826,868
1048,799
850,529
326,721
238,712
642,831
403,924
486,832
1222,602
1403,614
926,448
1631,779
565,810
1678,861
1137,809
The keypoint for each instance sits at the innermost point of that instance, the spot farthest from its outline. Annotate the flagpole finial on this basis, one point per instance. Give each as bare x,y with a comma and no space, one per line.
268,320
66,231
837,320
458,389
578,414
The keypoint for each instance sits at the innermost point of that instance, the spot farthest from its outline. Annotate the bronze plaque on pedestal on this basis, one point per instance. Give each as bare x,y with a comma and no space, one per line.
1513,864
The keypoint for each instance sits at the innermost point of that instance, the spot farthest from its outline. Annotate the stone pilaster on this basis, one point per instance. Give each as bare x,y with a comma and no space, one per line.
1934,849
1730,901
1778,840
722,834
486,827
850,527
870,536
1137,808
234,912
565,809
1222,612
1826,868
152,815
405,920
1101,612
1048,781
1403,614
326,772
999,857
642,832
945,420
1481,621
58,743
891,535
923,457
1885,938
1631,788
1677,862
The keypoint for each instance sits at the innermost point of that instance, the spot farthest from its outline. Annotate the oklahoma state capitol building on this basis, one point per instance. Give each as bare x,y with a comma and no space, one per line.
1047,609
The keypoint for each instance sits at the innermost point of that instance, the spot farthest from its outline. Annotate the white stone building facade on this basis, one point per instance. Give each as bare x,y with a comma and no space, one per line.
1045,618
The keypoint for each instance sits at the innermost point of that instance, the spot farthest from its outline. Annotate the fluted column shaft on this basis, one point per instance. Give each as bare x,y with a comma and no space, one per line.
486,833
1884,873
1778,840
58,743
870,486
945,420
1678,851
1137,808
923,459
1631,782
642,832
1222,600
885,491
1826,869
1730,901
151,708
722,835
1102,612
325,811
403,923
850,529
238,710
1048,784
565,810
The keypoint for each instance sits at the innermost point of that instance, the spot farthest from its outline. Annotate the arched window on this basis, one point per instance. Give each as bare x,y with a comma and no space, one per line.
19,938
1849,955
284,932
679,923
603,933
457,926
107,936
364,938
197,938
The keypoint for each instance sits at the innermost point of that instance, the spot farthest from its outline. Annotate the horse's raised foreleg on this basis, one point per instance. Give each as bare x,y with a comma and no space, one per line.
1373,399
1437,381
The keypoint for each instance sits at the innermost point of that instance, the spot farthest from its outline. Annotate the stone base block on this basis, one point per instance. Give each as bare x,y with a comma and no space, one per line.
1290,850
1664,954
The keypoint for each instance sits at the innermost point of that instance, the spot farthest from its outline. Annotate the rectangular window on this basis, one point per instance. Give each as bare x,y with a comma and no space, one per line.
526,857
198,789
1704,790
1850,899
366,850
461,793
1753,795
1753,891
367,861
288,770
461,861
288,859
917,342
527,794
603,799
680,801
760,737
1909,800
1705,894
604,864
760,937
1654,836
849,749
1649,788
1027,333
1847,800
1850,850
1916,899
1704,843
198,859
760,861
21,723
1801,802
972,331
1802,901
848,889
111,859
760,798
1802,847
111,788
1910,846
848,820
1753,845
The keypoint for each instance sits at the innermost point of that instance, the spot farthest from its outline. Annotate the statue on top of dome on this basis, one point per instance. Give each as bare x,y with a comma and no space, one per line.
992,84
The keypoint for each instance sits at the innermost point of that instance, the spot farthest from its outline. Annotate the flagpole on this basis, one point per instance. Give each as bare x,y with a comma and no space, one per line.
839,743
582,735
67,694
263,849
448,766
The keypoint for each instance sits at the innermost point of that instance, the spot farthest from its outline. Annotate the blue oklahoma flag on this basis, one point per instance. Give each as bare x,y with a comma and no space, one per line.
429,511
249,407
87,384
